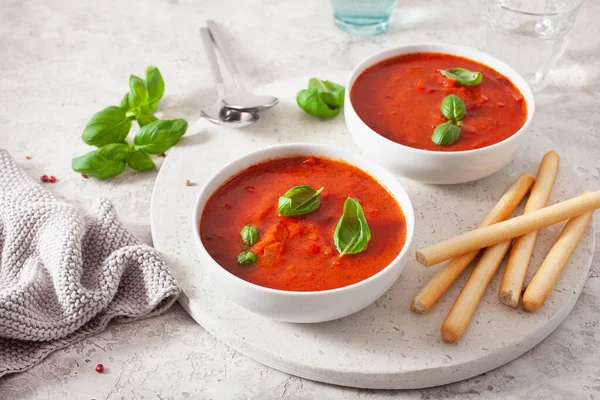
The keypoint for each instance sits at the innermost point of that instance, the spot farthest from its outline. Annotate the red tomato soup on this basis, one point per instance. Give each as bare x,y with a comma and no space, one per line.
298,253
400,99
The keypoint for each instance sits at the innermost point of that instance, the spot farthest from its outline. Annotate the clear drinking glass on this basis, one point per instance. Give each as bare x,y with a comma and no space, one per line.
362,17
530,35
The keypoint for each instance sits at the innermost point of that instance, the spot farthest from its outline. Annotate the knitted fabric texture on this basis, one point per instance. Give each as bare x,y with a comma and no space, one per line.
64,275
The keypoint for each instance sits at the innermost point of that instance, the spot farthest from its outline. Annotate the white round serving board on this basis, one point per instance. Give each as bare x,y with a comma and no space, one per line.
384,346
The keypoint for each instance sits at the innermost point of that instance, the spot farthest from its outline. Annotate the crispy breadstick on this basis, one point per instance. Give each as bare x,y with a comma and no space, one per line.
520,253
518,226
445,276
544,279
461,312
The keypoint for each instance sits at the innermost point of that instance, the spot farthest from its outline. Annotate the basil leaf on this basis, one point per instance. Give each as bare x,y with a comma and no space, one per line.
453,108
246,257
138,94
145,119
445,134
125,102
158,136
155,85
336,98
249,234
299,200
322,98
463,76
107,126
352,233
140,161
93,164
114,151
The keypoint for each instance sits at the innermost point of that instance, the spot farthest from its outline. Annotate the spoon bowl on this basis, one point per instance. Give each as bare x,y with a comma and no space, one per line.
222,115
243,99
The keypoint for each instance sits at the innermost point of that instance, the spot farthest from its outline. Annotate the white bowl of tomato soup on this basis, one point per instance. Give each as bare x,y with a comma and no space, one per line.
297,271
393,107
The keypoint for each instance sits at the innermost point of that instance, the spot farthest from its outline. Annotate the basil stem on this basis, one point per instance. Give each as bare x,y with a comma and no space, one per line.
246,257
463,76
352,233
249,234
453,108
445,134
322,99
299,200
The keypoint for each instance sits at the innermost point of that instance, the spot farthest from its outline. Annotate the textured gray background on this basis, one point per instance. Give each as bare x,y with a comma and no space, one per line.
61,62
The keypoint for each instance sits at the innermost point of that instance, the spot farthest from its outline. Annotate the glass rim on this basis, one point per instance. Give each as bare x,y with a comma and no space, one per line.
574,7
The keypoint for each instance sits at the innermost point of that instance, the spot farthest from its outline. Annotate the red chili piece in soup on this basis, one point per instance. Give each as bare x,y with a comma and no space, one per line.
400,99
298,253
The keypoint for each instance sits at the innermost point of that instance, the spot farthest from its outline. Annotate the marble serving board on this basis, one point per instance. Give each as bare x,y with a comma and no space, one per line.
385,345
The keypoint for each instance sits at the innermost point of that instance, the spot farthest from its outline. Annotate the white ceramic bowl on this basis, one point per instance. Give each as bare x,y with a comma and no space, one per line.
316,306
435,166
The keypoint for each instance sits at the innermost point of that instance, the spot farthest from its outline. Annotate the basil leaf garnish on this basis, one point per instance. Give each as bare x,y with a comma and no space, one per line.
453,108
107,126
352,233
140,161
145,119
114,151
155,85
322,99
158,136
124,104
138,94
445,134
246,257
299,200
249,234
463,76
93,164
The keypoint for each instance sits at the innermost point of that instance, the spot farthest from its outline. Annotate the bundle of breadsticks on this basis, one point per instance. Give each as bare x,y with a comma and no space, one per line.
497,234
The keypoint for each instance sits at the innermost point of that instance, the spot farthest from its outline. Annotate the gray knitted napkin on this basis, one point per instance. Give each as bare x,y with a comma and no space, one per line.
64,275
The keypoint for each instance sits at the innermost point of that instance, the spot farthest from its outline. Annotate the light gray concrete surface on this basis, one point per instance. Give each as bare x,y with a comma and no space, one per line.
62,61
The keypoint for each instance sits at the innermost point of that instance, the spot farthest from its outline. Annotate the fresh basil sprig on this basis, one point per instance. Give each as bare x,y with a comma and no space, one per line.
249,235
454,109
322,99
108,130
352,233
246,257
463,76
299,200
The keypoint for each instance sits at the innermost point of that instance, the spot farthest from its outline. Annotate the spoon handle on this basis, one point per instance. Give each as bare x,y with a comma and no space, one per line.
227,58
209,48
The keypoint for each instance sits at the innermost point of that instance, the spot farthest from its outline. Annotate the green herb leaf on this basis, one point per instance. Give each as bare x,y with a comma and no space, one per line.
322,99
114,151
145,119
125,102
107,126
249,234
138,95
140,161
445,134
158,136
299,200
463,76
93,164
246,257
352,233
155,85
453,108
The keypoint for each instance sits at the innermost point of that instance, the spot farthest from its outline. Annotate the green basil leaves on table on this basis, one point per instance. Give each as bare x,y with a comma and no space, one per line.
352,233
107,126
246,257
249,234
453,108
322,99
445,134
299,200
158,136
463,76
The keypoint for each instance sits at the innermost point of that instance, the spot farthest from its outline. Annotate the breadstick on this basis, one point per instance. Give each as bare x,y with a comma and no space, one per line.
544,279
461,312
520,253
518,226
445,276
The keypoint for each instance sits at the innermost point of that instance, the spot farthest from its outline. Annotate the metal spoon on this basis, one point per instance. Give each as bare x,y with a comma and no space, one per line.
241,98
219,113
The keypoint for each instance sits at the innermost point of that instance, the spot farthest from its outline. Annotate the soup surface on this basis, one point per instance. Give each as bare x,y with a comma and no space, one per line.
400,99
298,253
